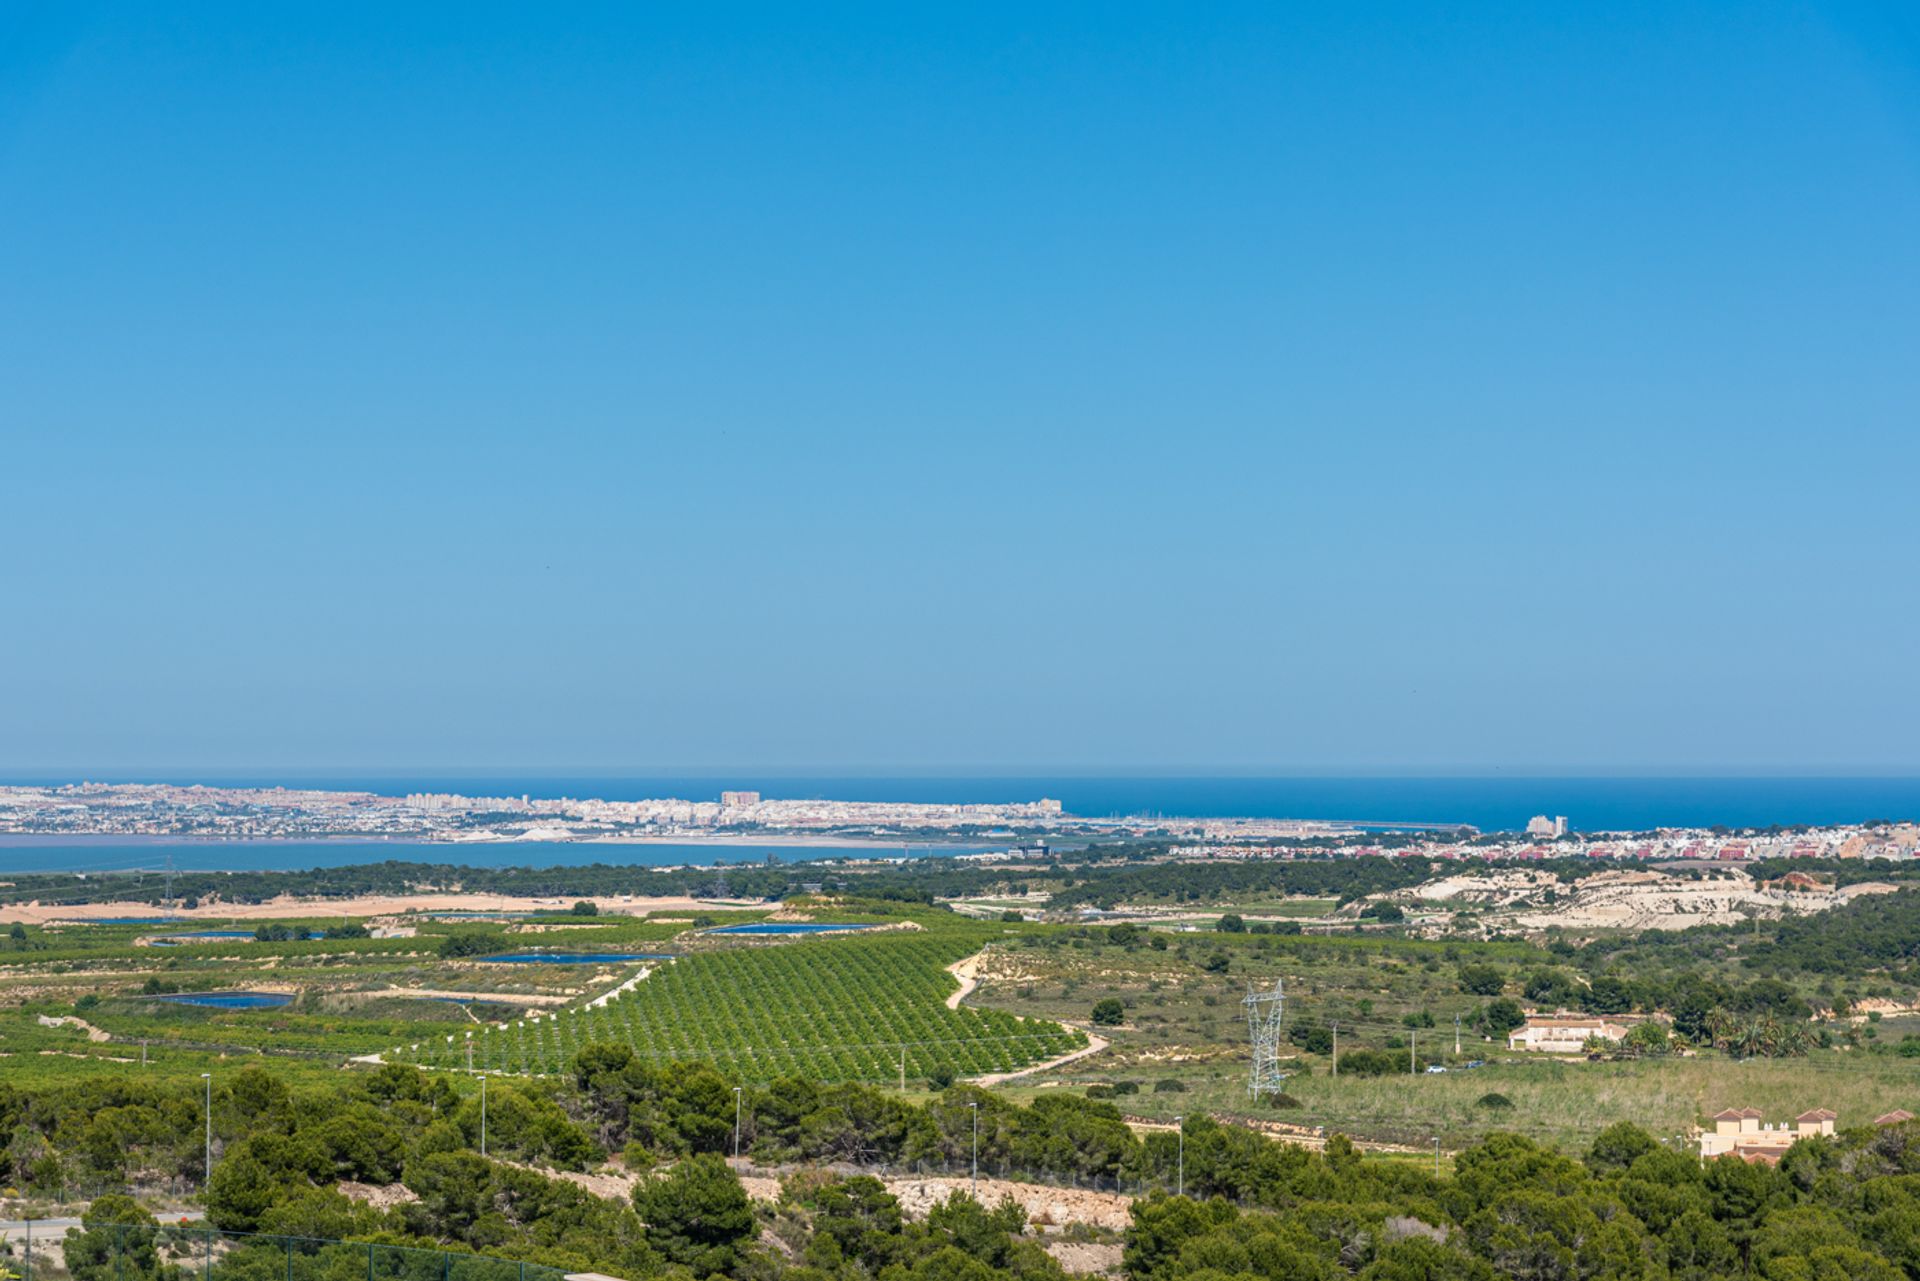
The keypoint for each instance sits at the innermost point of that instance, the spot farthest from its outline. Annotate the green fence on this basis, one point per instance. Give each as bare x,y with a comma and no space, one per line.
184,1252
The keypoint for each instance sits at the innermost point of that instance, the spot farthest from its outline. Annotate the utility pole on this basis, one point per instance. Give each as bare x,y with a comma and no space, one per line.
736,1123
1413,1040
973,1180
483,1116
1456,1036
208,1178
903,1067
1336,1047
1180,1179
1436,1156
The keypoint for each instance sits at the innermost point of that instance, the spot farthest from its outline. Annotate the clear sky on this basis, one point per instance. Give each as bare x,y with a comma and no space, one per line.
1348,386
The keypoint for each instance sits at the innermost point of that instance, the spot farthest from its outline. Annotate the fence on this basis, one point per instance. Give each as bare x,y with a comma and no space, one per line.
141,1252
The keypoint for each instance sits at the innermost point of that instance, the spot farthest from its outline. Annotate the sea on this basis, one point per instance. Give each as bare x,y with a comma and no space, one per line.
1488,802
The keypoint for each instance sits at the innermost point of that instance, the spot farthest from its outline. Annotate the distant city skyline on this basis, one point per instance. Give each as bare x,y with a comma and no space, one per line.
1239,389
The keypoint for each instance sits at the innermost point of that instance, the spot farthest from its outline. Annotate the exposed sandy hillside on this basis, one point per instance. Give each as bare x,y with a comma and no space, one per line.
1630,898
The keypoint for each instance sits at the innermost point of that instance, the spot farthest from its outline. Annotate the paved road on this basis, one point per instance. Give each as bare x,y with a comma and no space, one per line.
11,1229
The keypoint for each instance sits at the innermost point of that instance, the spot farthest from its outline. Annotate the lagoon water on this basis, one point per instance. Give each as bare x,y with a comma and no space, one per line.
54,854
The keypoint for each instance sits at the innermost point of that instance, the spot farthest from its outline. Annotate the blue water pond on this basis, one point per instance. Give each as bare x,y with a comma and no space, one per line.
231,1000
574,958
786,927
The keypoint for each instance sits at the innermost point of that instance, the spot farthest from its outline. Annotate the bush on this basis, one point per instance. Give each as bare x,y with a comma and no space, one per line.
1218,963
940,1078
1481,980
1108,1011
1494,1102
1126,1087
1503,1016
1370,1063
1011,917
586,908
1283,1102
1232,923
472,943
1168,1085
698,1215
1314,1038
1099,1091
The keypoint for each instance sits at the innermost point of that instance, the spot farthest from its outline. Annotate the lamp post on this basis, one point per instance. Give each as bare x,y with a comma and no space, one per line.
736,1123
208,1177
973,1179
1180,1178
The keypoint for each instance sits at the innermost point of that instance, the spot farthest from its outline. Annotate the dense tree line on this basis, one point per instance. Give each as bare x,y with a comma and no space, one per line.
1846,1209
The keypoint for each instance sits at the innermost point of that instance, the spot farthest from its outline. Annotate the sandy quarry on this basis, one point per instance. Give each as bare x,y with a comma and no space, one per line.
917,1194
1632,898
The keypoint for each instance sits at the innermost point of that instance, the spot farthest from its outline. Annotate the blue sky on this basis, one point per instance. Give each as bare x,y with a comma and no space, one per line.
1103,386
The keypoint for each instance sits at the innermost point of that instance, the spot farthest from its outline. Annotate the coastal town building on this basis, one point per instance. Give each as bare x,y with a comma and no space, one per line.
1744,1133
1564,1033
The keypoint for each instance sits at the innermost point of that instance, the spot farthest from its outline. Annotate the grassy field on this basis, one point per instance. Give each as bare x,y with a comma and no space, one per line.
1184,1025
1561,1103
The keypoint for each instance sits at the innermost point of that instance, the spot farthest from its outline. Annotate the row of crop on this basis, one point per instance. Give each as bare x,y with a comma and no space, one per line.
833,1009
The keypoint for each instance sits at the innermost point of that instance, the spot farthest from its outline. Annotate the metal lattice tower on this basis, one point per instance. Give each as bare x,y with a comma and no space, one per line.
1263,1028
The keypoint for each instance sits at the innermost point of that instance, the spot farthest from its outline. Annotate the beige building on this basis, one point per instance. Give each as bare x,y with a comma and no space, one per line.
1564,1033
1743,1132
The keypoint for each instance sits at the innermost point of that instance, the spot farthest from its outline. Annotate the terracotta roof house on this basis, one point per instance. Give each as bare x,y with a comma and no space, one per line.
1743,1132
1564,1033
1899,1116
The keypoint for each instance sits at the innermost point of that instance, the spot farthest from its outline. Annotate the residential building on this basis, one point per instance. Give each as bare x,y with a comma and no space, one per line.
1564,1033
1743,1132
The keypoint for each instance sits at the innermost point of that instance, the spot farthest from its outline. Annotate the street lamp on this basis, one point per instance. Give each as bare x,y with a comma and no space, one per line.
1180,1131
208,1078
973,1180
736,1123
